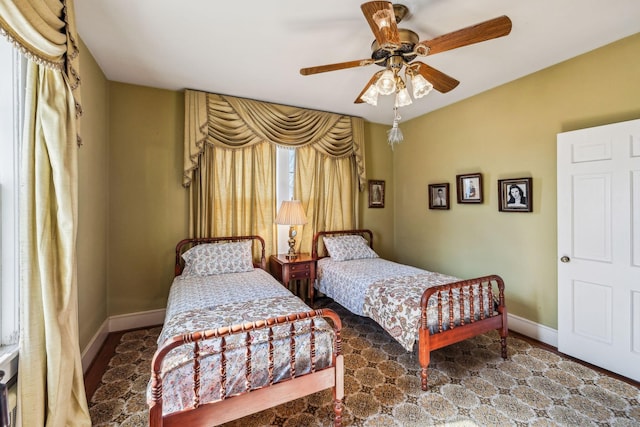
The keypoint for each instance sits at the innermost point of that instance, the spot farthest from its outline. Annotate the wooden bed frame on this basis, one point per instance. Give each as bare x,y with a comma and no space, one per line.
427,341
252,400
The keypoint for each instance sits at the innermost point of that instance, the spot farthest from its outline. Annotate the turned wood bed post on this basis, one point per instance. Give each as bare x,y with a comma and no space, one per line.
502,309
338,363
496,319
424,352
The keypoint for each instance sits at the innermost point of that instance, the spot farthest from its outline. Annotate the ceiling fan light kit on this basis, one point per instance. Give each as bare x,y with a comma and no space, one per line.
402,95
371,95
395,48
386,84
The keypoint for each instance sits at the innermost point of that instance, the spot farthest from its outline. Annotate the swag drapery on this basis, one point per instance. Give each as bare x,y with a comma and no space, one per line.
50,383
229,165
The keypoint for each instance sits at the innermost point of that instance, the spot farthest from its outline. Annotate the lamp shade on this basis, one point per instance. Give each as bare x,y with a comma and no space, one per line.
421,86
291,213
386,84
371,95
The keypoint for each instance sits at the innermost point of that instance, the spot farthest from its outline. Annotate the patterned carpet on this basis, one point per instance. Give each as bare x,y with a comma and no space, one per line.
470,385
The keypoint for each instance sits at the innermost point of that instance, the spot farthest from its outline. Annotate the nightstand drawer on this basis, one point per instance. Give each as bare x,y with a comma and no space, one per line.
300,268
300,274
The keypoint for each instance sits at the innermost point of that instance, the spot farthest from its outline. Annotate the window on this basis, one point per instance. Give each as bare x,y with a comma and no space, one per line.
12,83
285,175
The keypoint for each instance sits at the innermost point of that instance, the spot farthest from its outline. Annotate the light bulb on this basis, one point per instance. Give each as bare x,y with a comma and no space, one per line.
402,98
421,86
386,84
371,95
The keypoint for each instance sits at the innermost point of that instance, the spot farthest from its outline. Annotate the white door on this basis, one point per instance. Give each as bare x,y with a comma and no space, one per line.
599,246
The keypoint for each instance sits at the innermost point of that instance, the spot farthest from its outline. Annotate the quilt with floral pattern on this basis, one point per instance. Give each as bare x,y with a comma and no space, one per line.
390,294
198,303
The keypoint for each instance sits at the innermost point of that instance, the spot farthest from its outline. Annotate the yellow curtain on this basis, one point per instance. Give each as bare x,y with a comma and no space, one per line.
328,189
45,32
333,144
232,193
50,383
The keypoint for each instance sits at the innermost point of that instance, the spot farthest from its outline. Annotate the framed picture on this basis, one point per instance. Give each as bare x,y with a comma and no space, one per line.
515,195
439,196
376,194
469,188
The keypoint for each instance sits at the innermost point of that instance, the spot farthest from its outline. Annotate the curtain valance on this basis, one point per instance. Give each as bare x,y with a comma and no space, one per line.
45,32
232,123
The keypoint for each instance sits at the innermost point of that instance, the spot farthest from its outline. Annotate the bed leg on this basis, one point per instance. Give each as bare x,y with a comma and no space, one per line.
423,378
337,409
503,344
424,353
504,332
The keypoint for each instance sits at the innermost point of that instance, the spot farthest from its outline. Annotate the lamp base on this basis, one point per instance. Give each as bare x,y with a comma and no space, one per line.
292,243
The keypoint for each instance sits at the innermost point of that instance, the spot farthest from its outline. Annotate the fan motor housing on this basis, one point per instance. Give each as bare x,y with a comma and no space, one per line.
408,40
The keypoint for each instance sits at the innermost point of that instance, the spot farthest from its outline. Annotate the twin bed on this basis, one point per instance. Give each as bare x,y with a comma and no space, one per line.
236,342
413,305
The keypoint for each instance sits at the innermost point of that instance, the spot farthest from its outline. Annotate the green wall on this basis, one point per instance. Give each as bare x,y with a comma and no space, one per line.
379,164
507,132
148,205
93,200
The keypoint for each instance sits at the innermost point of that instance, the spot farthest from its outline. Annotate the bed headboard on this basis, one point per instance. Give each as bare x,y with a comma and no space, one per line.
317,252
186,244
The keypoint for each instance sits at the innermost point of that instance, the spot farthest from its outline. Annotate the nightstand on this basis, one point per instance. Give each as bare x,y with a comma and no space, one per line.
286,269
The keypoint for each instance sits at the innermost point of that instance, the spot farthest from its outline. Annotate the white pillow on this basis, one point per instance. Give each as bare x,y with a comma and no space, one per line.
345,248
218,258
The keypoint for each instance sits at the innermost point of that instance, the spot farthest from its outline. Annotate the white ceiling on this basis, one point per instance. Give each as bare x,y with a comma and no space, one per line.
255,49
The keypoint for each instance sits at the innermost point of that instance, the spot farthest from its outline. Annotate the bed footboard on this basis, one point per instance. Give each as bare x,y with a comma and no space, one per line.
254,398
475,304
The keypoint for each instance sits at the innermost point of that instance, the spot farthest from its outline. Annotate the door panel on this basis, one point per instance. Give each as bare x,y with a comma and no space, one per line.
635,315
599,246
592,217
592,310
635,225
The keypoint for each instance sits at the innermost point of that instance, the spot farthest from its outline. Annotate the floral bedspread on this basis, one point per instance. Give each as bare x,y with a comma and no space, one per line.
198,303
394,304
347,282
389,293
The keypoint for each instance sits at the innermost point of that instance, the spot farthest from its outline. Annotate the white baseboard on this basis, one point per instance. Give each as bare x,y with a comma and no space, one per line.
121,322
91,350
533,330
143,319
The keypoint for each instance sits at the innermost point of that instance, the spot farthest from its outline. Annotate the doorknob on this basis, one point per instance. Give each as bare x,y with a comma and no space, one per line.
565,259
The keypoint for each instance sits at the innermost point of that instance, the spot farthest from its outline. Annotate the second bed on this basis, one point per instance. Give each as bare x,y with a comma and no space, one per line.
411,304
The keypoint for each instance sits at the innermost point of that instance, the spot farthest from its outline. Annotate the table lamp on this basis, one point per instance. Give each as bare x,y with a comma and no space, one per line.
291,213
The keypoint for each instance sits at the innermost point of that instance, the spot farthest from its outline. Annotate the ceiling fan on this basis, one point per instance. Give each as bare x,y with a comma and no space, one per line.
396,48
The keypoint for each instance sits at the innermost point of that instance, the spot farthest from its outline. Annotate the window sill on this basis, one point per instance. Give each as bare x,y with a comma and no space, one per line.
9,361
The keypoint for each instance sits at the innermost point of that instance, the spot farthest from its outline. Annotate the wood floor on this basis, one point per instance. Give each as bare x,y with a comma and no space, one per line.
98,367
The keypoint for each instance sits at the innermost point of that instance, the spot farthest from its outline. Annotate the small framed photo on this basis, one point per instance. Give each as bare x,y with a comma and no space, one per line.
515,195
376,194
439,196
469,188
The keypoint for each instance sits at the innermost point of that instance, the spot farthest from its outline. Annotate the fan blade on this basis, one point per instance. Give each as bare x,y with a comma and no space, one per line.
382,20
491,29
373,80
337,66
440,81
